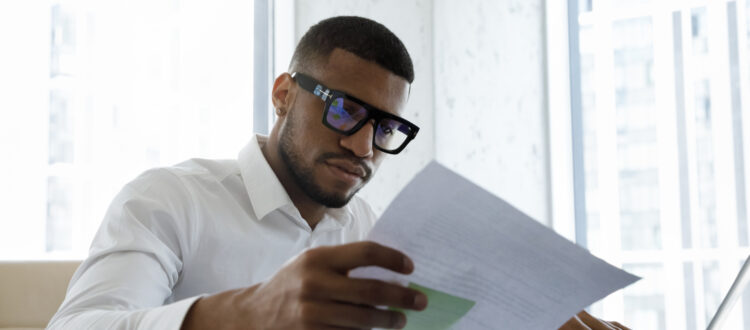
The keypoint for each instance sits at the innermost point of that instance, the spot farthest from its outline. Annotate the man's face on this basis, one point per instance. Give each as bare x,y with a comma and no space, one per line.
330,167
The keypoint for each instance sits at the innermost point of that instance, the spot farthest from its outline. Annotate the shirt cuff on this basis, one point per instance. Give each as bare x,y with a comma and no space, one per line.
168,317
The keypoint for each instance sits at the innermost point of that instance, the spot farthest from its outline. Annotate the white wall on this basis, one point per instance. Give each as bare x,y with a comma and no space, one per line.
490,108
479,84
411,21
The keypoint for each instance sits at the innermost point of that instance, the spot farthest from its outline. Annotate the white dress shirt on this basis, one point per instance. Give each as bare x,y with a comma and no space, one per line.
200,227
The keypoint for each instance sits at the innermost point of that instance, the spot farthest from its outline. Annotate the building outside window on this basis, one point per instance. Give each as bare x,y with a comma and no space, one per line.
663,88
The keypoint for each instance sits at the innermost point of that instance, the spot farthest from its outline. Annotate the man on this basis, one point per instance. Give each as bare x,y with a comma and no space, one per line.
265,241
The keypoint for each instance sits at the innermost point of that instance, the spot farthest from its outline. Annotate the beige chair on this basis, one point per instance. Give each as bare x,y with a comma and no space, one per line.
31,291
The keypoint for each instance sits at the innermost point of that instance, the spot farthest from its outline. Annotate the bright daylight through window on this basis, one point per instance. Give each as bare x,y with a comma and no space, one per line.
111,89
663,85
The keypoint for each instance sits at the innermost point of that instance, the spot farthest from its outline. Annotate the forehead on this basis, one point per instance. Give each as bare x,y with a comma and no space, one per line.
364,80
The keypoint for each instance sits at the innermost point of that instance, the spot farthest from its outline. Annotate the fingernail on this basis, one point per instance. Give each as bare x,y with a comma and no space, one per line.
401,323
408,265
420,301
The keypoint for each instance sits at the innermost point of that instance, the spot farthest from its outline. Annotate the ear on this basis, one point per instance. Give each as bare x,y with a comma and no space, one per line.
281,96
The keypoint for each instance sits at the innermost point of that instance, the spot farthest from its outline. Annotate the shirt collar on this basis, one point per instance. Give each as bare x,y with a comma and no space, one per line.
265,190
263,187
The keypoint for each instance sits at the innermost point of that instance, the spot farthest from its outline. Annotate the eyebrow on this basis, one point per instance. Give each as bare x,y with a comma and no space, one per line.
312,81
350,95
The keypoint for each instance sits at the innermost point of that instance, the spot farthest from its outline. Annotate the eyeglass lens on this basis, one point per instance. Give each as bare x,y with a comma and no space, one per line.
345,114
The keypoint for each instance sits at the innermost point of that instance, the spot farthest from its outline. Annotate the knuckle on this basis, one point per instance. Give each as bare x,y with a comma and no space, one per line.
309,257
308,286
307,312
372,292
368,318
309,326
373,319
407,298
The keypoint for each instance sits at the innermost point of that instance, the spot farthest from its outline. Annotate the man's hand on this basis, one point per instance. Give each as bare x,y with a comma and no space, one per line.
585,321
313,291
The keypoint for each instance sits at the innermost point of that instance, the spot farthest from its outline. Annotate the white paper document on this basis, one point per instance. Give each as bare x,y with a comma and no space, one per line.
491,265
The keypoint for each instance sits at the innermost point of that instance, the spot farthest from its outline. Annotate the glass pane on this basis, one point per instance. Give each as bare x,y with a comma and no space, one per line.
590,145
712,294
689,280
131,85
585,6
636,133
60,128
624,4
739,314
63,46
59,215
704,154
644,300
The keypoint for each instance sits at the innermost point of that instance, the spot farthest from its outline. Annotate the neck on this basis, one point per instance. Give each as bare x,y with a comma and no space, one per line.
310,210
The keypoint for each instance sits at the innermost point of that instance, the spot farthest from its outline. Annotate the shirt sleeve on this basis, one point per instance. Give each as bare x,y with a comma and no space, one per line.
134,261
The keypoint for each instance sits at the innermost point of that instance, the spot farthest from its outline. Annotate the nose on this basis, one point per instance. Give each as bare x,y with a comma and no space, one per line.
360,143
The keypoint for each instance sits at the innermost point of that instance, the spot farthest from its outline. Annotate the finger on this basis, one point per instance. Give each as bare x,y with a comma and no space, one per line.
372,292
594,323
331,327
349,256
351,316
327,327
574,323
619,325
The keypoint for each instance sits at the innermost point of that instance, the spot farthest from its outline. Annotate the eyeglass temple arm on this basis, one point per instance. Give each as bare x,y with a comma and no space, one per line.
307,83
323,94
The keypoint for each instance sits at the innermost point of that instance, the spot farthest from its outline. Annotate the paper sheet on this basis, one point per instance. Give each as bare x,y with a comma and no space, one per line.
467,243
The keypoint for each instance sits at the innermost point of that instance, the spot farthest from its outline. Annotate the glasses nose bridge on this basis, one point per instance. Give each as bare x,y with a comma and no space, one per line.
369,119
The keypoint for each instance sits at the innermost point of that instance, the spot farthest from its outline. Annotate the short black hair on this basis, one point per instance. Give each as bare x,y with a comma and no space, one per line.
363,37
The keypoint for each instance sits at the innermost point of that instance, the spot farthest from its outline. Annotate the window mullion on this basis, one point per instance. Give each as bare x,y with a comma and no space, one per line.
743,50
607,158
669,187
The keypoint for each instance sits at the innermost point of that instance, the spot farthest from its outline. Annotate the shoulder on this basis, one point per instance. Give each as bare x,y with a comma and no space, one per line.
161,203
188,174
173,189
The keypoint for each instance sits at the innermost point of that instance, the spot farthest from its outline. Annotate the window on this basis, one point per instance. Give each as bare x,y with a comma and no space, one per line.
125,86
663,85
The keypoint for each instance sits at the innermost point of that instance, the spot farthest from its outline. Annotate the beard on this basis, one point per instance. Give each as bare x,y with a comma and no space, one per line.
303,175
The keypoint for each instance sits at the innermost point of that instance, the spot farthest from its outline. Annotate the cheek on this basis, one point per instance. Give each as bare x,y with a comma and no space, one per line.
310,135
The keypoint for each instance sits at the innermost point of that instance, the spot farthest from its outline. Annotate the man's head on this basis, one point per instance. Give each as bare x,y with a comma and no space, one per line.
362,59
365,38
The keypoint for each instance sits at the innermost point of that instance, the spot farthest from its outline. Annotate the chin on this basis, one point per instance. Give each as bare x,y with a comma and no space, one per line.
336,198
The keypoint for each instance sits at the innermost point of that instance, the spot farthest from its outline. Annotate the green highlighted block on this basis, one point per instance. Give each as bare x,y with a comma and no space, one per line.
442,312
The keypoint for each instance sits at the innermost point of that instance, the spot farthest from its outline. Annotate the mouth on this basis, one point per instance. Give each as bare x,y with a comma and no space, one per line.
344,175
346,171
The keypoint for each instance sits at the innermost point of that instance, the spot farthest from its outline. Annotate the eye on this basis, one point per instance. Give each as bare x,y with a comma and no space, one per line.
386,130
351,108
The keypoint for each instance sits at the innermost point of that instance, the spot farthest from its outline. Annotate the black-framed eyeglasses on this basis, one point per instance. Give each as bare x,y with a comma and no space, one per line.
346,114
